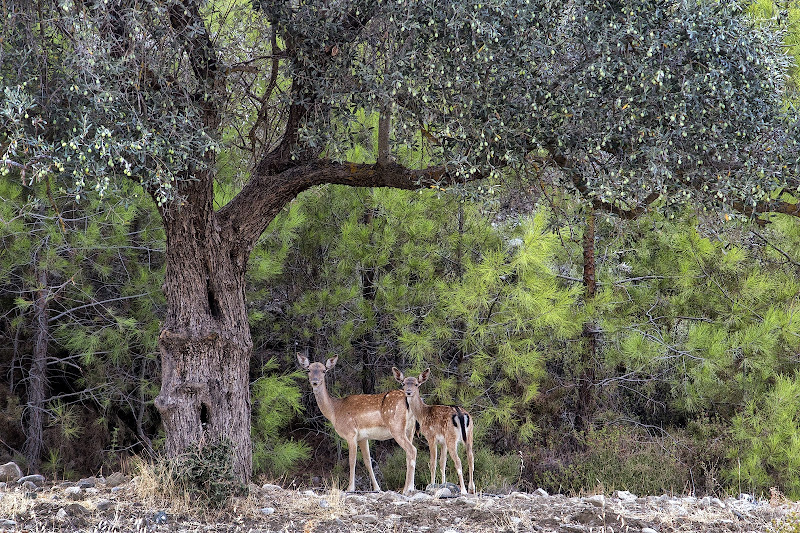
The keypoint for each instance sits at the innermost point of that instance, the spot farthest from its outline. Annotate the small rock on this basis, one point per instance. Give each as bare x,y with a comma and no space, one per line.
268,487
7,523
746,497
324,504
598,500
76,509
587,517
160,517
717,503
61,515
103,505
86,483
31,495
73,493
267,510
30,486
366,518
421,497
3,485
625,496
10,472
115,480
117,489
390,496
648,530
309,493
540,492
356,498
36,479
519,495
444,492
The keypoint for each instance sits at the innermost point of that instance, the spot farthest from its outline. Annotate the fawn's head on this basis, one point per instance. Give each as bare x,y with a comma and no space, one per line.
411,384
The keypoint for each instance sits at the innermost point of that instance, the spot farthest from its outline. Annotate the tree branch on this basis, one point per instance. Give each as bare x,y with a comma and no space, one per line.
263,197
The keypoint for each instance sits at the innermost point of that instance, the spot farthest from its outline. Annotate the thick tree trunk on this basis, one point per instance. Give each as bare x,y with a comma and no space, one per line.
586,399
205,342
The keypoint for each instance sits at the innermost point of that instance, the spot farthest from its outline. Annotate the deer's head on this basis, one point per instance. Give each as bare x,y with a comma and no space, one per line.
316,371
411,384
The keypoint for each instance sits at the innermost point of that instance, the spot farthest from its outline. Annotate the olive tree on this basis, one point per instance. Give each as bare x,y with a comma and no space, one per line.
175,94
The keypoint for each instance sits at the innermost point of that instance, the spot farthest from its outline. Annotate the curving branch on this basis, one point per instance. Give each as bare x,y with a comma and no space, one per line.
263,197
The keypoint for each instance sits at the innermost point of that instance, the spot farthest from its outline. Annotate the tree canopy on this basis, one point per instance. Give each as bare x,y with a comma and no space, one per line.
628,103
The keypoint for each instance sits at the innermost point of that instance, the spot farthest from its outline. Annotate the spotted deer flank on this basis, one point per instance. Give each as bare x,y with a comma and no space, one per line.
362,417
441,425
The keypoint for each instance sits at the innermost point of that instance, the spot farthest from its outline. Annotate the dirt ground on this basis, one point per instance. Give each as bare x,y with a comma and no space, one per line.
93,506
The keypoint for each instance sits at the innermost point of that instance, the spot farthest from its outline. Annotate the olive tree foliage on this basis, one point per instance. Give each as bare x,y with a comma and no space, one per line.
677,100
616,93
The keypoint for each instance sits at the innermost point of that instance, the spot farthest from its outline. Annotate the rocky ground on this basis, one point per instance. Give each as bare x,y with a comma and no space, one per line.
115,504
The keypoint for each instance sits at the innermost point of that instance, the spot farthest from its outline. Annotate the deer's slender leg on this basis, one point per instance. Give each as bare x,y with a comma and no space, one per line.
364,445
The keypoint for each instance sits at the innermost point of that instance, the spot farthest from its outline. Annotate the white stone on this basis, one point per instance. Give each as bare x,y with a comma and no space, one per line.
36,479
443,493
625,496
74,493
648,530
598,500
61,515
267,510
270,487
541,492
10,472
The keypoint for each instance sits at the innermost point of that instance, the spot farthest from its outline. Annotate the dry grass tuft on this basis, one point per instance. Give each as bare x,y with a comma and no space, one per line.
14,503
156,486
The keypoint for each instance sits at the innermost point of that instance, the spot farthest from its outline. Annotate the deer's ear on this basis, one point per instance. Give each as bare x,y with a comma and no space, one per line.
330,363
303,360
424,376
398,375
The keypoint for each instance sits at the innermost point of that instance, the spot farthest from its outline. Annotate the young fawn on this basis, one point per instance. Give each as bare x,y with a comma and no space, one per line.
440,424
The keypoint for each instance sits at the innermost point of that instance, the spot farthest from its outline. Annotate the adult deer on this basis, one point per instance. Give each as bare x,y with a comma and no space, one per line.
361,417
440,424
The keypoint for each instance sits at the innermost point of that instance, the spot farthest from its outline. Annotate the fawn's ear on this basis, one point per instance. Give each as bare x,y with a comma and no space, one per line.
398,375
424,376
330,363
303,360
